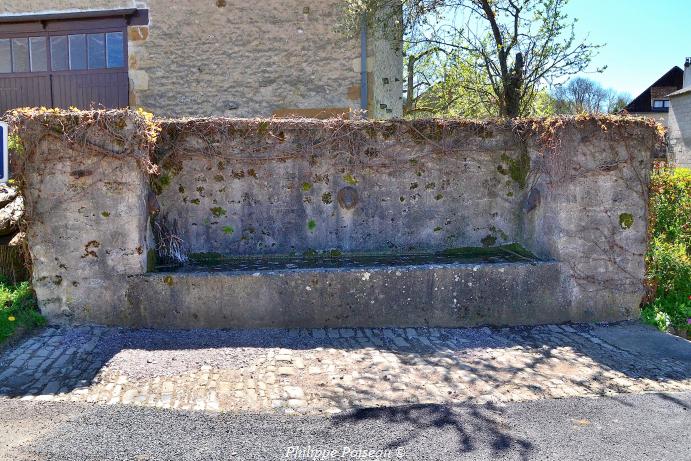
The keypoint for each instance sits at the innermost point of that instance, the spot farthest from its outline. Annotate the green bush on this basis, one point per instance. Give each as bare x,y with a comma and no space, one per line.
18,309
14,144
669,257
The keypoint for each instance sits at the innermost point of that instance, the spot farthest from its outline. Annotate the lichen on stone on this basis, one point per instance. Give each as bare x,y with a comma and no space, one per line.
218,211
625,220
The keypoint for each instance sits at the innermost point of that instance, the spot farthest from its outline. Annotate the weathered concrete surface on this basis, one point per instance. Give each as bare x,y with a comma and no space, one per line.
87,219
429,295
593,216
251,187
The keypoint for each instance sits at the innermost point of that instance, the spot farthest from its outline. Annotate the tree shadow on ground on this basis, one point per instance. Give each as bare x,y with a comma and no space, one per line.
482,359
474,427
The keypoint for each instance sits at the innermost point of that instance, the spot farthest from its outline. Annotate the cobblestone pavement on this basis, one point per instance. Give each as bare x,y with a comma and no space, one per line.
329,370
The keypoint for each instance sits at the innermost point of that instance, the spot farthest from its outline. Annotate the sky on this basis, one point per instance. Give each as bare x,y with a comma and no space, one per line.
643,39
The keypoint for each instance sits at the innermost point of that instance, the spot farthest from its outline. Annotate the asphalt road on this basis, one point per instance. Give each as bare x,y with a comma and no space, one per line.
632,427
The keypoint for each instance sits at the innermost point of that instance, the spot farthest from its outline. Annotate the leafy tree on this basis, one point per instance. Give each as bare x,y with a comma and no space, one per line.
510,49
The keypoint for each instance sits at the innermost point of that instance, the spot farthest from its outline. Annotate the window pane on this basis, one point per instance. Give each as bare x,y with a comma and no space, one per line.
39,54
5,56
20,55
97,51
58,53
116,49
77,51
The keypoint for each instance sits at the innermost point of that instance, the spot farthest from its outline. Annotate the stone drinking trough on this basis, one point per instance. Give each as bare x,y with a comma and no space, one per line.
306,223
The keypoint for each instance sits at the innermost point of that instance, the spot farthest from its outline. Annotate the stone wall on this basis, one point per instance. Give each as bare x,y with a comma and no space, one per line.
680,129
279,187
86,214
246,59
572,191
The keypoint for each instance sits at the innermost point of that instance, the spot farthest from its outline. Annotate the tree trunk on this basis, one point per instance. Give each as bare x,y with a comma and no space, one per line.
512,88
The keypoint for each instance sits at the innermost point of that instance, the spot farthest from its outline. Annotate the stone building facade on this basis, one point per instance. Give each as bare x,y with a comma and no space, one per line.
239,58
680,121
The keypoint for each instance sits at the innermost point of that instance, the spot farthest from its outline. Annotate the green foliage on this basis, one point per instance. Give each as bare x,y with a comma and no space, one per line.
18,309
669,257
14,144
228,230
476,57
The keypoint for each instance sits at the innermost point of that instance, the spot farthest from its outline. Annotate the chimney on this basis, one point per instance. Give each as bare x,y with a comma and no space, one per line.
687,73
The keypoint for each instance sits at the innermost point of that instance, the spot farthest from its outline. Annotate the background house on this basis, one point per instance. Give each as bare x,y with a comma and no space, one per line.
654,101
195,58
680,121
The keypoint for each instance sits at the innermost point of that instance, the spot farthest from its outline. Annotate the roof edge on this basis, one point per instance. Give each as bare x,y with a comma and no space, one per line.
134,16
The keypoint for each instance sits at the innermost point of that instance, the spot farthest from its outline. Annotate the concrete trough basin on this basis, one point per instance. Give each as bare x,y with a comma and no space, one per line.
439,293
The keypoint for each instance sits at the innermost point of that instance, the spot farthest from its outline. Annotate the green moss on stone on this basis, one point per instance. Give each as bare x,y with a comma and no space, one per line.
195,201
310,253
263,127
518,169
217,211
311,225
306,187
501,250
151,260
625,220
105,214
159,183
348,178
228,230
489,240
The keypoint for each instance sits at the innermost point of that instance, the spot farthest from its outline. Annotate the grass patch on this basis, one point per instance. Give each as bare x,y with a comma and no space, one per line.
18,309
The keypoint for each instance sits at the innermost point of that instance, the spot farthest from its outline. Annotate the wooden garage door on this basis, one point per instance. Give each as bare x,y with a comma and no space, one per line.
68,63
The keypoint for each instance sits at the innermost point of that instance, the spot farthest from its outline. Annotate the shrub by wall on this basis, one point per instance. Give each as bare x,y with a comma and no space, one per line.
669,257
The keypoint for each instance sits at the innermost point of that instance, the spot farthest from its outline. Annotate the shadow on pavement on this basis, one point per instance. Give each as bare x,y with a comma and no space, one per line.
72,358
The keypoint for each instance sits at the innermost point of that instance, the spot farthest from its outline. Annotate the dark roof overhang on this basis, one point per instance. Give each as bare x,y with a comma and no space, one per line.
641,103
133,16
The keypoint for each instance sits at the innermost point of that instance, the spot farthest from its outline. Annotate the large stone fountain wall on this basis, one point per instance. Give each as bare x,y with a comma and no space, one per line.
573,192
